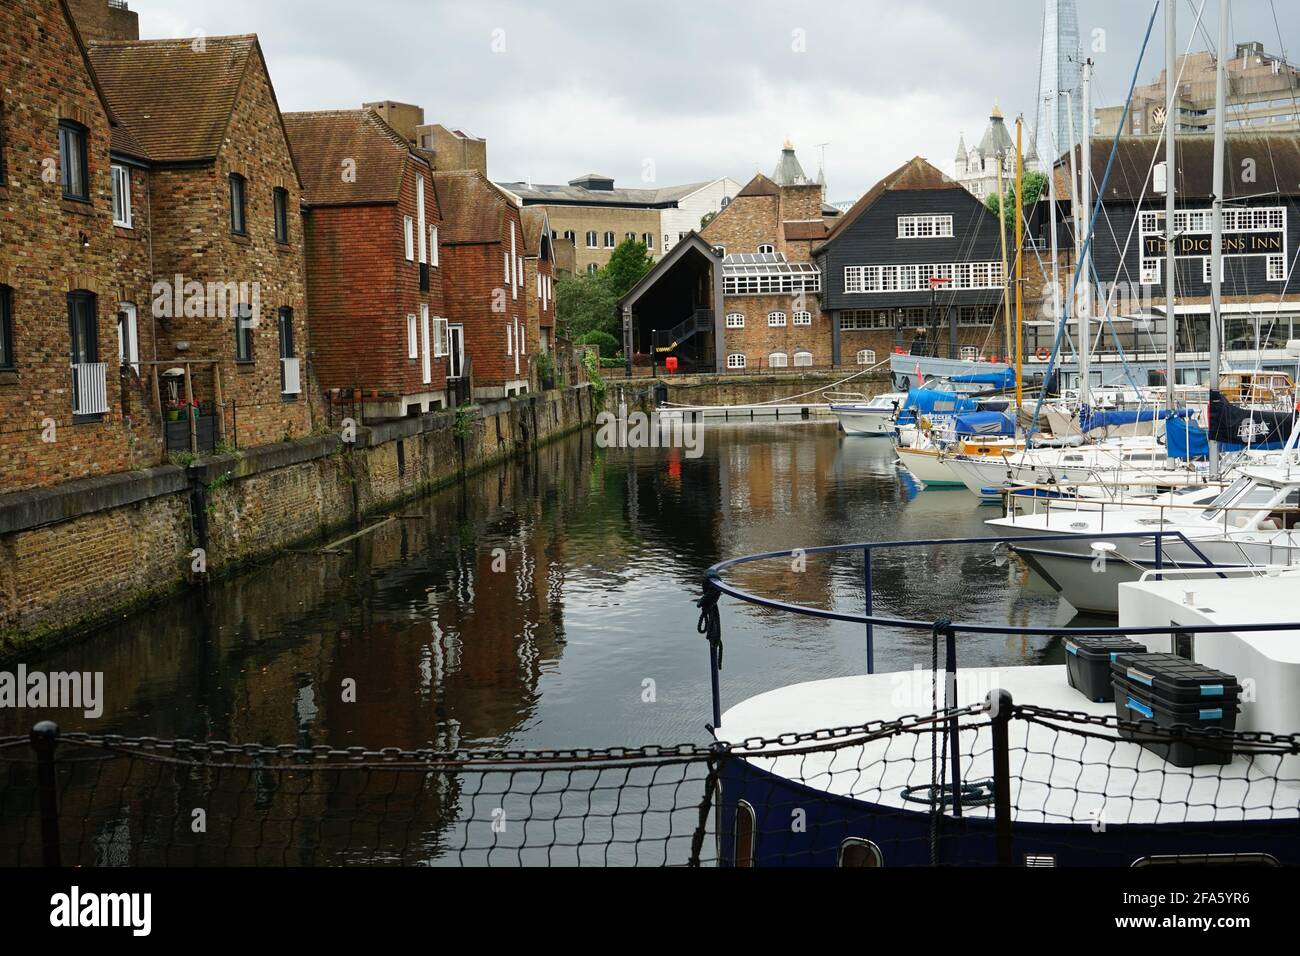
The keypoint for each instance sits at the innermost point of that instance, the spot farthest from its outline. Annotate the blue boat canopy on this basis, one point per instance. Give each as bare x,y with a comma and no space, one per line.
1090,419
1003,379
1187,440
929,401
985,423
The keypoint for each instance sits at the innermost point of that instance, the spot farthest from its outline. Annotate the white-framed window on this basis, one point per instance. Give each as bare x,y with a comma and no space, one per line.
736,360
1207,272
412,338
408,233
866,356
510,338
419,212
735,320
505,266
803,318
121,196
803,359
649,240
439,336
766,249
1150,272
925,227
128,336
776,319
592,268
427,366
1277,268
778,360
433,246
591,239
609,239
916,278
862,320
631,236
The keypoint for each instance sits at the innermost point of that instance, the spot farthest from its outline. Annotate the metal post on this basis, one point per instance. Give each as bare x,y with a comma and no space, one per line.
717,690
44,738
950,703
1000,705
871,631
1171,180
1160,551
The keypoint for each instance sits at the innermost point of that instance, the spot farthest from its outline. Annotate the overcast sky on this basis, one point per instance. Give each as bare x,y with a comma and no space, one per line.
660,92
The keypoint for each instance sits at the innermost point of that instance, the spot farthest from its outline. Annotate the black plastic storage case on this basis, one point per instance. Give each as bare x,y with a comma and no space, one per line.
1165,690
1088,661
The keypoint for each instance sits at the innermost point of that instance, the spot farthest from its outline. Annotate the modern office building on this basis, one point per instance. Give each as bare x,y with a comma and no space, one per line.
1060,78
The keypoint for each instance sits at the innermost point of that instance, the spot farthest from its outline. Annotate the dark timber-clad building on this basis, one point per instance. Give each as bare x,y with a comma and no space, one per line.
877,265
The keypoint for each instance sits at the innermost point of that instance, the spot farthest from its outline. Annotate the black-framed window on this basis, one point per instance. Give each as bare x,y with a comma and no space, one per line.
281,214
238,220
83,331
73,163
6,327
244,333
286,332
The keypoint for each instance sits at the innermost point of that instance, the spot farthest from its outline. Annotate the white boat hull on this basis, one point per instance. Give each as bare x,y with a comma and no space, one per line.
928,466
875,422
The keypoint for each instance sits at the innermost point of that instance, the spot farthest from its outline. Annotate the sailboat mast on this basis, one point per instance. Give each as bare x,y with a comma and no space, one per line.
1002,232
1085,287
1216,234
1171,180
1020,261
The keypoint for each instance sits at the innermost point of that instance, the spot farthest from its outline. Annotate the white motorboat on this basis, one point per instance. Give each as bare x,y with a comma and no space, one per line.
870,417
1251,524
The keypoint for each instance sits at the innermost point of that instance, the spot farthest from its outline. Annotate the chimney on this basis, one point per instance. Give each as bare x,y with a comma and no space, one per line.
402,117
105,20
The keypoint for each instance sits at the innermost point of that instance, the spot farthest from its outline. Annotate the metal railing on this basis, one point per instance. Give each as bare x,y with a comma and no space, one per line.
90,388
701,320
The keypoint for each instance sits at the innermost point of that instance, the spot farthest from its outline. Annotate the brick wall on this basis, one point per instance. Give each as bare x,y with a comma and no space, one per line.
581,219
50,247
98,21
361,290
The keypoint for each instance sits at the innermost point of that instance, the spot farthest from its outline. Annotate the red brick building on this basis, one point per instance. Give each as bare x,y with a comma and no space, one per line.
65,267
539,279
483,251
374,266
224,229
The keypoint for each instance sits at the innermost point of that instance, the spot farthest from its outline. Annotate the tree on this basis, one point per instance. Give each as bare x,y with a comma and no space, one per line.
707,218
1035,186
584,303
627,265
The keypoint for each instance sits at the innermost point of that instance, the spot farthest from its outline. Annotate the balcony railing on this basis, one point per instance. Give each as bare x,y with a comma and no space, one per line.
90,388
291,376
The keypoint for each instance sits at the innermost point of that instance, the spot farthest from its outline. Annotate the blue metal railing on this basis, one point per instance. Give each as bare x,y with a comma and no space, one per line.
715,585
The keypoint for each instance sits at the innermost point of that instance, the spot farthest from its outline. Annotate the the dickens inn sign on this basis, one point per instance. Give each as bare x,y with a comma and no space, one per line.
1246,232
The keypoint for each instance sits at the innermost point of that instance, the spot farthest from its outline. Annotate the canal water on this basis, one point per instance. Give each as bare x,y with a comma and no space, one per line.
549,603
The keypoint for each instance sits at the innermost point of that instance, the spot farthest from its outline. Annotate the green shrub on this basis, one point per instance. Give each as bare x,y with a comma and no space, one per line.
607,344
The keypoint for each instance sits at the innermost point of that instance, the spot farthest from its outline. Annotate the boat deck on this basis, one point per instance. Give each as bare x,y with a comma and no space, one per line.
1081,775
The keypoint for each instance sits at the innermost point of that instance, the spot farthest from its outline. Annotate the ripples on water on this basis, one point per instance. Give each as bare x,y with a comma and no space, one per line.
530,607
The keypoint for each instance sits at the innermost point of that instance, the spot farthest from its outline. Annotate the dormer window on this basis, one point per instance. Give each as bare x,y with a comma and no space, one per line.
766,249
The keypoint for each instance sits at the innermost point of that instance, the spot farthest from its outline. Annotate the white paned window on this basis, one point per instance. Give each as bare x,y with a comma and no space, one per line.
916,278
121,196
766,249
866,356
510,339
591,239
609,240
427,367
505,262
924,227
776,319
778,360
803,360
1150,273
735,320
408,231
803,318
419,212
412,338
439,337
1207,273
1277,268
433,246
736,360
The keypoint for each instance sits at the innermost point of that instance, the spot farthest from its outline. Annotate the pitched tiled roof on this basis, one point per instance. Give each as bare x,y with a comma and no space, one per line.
914,174
323,141
473,209
760,185
175,101
811,229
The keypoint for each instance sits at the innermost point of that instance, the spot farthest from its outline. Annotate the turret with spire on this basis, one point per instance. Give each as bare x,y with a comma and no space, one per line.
788,171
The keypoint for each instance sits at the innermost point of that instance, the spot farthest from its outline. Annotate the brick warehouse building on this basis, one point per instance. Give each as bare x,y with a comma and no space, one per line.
225,199
877,263
374,272
539,278
65,267
483,251
769,322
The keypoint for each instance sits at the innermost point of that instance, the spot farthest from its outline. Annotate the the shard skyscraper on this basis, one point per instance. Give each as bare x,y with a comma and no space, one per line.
1060,70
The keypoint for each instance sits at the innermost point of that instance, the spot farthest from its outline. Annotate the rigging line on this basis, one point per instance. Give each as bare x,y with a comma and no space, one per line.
1038,409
